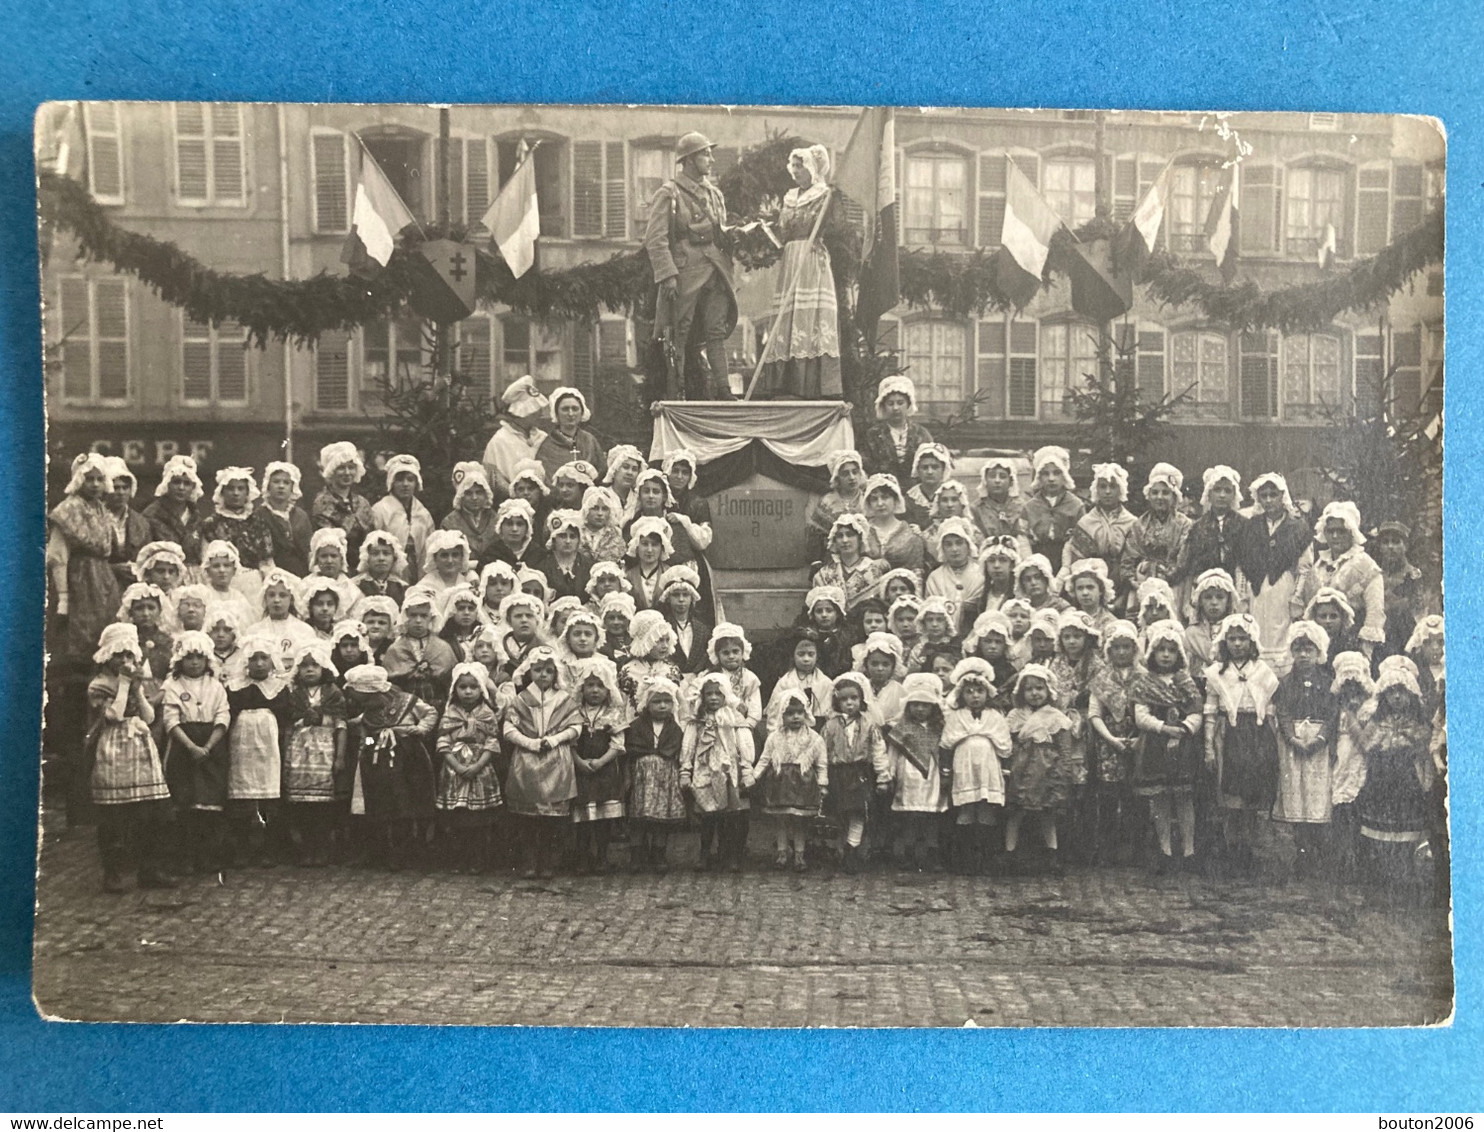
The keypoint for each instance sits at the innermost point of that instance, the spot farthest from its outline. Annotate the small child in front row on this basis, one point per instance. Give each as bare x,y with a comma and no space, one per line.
259,700
314,759
468,790
716,772
128,782
1352,687
1307,714
792,776
541,725
1241,748
602,767
1168,711
976,743
1041,751
856,756
1393,803
920,781
196,715
656,806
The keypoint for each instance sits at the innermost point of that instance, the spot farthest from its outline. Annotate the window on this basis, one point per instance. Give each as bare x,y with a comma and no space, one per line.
1316,201
209,162
1070,187
1142,358
1007,368
1069,353
1259,375
94,340
474,354
1193,190
1406,379
935,353
105,152
332,371
213,362
1198,364
1408,186
394,353
328,149
936,200
469,181
403,158
1311,372
1261,208
530,348
598,194
652,167
551,178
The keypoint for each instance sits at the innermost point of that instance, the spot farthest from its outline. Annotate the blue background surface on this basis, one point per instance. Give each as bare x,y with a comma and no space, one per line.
1365,55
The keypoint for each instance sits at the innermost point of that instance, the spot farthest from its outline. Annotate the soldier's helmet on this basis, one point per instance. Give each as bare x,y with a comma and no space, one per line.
690,143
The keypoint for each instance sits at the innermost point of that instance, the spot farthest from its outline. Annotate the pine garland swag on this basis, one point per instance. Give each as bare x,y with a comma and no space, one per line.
959,284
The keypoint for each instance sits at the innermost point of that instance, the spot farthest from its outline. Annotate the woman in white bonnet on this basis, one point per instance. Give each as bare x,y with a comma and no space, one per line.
518,436
804,341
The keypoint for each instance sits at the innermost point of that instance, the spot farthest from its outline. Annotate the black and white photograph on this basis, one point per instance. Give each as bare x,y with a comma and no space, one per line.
742,566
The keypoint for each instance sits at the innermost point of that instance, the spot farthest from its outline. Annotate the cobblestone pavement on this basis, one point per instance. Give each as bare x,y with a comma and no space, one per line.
1106,947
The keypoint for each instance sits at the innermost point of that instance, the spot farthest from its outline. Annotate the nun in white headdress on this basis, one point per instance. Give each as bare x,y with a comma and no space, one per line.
803,346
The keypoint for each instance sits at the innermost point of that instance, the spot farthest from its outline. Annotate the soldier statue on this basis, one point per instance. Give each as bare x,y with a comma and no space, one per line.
686,240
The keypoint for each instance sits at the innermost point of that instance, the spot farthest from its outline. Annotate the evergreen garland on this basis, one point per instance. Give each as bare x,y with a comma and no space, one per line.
962,284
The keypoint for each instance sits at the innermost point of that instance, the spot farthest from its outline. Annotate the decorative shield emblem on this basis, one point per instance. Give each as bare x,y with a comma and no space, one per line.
445,293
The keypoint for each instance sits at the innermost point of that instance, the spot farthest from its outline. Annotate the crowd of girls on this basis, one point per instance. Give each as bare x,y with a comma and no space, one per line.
994,678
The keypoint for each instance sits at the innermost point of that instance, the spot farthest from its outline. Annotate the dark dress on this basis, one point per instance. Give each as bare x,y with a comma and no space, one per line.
599,796
178,523
694,659
397,773
1211,544
249,533
1393,804
562,583
291,539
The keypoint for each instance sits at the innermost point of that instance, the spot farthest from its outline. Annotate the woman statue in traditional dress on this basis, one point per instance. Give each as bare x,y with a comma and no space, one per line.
803,348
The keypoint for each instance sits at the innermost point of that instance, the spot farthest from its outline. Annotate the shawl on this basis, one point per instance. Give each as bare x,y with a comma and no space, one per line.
1172,691
960,725
716,744
1114,688
1039,726
1265,558
1224,682
523,712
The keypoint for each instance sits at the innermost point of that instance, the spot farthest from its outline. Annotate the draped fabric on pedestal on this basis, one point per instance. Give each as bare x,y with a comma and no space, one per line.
789,440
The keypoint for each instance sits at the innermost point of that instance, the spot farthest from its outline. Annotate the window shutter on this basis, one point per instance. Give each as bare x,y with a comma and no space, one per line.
1369,370
1260,209
1030,165
76,337
1406,380
587,188
332,371
615,200
476,354
477,179
105,152
113,339
1023,391
584,360
1406,200
231,363
331,203
1372,205
195,361
1258,375
991,199
991,370
227,162
190,152
456,213
901,196
1151,366
1125,187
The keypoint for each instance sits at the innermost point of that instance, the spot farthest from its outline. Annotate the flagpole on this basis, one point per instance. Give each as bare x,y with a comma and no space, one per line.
793,286
367,155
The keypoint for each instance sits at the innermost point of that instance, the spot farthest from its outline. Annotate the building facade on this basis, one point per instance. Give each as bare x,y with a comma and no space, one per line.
257,188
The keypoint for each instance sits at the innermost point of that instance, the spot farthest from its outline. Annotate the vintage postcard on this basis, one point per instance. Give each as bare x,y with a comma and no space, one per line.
742,566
